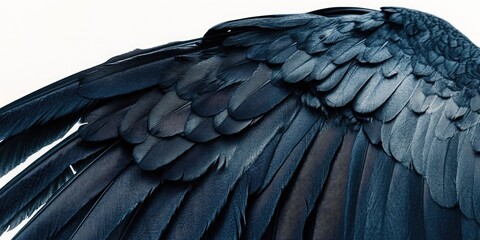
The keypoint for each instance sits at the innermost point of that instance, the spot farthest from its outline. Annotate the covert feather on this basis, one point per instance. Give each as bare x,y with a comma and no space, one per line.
335,124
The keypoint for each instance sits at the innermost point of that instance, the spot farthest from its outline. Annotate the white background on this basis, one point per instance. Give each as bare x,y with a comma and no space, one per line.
44,41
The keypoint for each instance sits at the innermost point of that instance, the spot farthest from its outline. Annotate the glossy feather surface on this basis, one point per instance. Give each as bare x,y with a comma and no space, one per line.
340,123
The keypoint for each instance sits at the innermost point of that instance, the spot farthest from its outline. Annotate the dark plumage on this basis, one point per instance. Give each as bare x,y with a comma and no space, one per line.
339,123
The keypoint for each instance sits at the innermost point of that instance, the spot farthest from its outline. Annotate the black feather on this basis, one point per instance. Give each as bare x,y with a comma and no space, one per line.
51,102
263,208
297,67
69,228
347,89
125,81
404,208
214,103
440,222
148,223
133,127
155,153
353,185
76,193
16,149
169,115
224,124
330,210
257,96
132,186
189,166
26,188
217,186
341,123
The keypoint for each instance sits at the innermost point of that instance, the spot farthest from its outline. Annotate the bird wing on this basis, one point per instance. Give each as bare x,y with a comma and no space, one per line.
338,123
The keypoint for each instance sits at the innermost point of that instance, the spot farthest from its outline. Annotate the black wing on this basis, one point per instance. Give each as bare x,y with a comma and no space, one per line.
340,123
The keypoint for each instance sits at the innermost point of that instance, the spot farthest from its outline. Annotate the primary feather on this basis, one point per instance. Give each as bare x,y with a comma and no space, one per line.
339,123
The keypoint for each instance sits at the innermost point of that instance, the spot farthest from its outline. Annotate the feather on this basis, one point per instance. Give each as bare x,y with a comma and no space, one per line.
279,56
148,223
133,127
386,135
201,131
77,192
334,36
278,46
475,138
359,209
330,209
103,129
441,170
355,172
16,149
348,49
232,218
445,129
373,129
169,116
268,22
132,186
264,206
429,138
69,228
39,199
98,85
258,52
453,111
417,99
155,153
391,67
402,134
378,90
51,102
435,104
476,194
440,222
309,182
466,158
210,104
218,185
249,38
475,103
119,230
403,210
105,108
257,96
224,124
377,195
469,229
189,166
304,122
232,71
324,67
347,89
27,187
314,44
375,93
470,119
421,69
199,77
419,143
398,100
375,54
297,67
